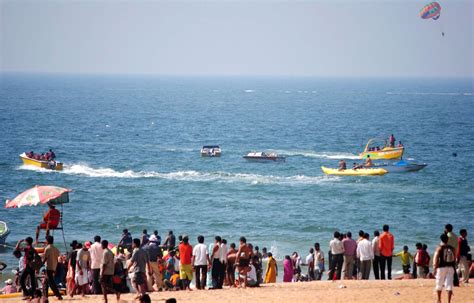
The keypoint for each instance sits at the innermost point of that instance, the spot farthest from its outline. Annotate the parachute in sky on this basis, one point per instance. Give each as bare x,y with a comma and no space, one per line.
431,11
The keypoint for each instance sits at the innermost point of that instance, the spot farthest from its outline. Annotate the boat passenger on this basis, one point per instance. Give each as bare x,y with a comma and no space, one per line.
392,140
400,144
342,165
52,155
30,154
50,220
368,162
356,166
37,157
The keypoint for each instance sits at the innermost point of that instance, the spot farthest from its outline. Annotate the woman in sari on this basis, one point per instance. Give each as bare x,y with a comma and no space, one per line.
287,269
272,270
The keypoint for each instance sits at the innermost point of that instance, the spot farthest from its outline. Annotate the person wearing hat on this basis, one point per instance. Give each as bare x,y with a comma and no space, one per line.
9,288
83,266
155,256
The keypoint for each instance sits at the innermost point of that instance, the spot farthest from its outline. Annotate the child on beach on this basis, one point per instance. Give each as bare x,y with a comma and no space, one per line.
406,257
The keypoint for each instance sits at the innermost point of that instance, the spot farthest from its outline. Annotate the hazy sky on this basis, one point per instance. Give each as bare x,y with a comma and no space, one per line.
321,38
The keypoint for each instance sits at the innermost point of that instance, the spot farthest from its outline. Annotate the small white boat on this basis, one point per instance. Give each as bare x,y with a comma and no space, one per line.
210,151
263,156
4,232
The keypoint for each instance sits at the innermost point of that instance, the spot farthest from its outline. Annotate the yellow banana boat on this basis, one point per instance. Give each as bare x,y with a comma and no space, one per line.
354,172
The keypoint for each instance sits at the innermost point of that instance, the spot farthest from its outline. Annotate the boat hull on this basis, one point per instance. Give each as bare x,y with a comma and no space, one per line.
38,163
386,153
4,232
264,159
210,155
356,172
393,168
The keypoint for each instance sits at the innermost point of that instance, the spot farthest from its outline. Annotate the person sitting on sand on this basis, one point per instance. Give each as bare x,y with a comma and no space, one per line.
50,221
243,261
342,165
252,274
368,162
406,258
9,287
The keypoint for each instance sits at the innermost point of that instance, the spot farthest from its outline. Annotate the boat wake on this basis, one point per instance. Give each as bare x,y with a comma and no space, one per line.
189,175
431,93
320,155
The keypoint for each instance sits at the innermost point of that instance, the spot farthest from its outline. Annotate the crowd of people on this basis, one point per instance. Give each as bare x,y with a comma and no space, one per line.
147,264
48,156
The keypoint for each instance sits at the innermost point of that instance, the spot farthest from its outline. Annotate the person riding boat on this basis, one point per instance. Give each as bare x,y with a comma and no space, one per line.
392,140
52,155
342,165
368,162
30,154
400,144
356,166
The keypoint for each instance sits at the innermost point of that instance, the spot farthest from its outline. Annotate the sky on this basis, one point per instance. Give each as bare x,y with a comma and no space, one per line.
324,38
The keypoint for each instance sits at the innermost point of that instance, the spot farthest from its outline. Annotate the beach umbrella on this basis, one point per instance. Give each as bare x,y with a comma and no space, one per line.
40,195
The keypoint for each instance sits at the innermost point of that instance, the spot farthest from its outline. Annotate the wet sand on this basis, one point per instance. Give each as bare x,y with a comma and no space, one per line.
416,291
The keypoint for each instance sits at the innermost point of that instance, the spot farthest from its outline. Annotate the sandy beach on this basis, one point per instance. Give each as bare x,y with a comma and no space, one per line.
416,291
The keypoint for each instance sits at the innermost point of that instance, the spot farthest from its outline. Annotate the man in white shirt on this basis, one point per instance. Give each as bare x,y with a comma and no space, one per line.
365,253
200,262
337,259
251,276
218,269
376,249
97,253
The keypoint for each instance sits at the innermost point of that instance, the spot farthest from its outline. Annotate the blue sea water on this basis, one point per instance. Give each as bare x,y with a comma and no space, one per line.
131,145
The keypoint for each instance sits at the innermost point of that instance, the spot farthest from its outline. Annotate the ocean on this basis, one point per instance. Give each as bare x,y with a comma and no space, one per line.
130,145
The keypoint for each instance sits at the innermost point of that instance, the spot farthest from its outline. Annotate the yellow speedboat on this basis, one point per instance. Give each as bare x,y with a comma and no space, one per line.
377,153
354,172
53,165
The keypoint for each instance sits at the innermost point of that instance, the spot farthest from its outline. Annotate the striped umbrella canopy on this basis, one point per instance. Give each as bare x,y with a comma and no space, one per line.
40,195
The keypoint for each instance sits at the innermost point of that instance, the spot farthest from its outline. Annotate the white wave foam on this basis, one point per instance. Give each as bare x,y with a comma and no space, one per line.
249,90
320,155
36,169
194,176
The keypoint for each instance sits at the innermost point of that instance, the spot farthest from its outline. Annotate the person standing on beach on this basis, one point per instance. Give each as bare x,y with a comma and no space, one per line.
386,246
145,237
310,263
170,241
272,270
158,238
376,249
406,259
185,266
318,262
462,256
201,262
453,241
216,263
155,256
365,253
243,261
28,271
96,252
350,246
71,266
231,256
223,259
337,251
83,265
443,264
107,269
287,269
140,264
125,241
50,258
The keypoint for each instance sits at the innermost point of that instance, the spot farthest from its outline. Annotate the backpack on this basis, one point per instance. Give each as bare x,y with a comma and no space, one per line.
447,256
35,262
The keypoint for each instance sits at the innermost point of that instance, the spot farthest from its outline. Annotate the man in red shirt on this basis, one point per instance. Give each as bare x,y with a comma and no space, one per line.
386,245
50,221
185,268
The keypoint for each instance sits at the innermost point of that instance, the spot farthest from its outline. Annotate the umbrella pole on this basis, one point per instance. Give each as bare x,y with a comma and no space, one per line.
62,229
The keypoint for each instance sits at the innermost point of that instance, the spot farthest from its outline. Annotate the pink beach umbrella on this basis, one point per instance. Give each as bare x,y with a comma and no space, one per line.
40,195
